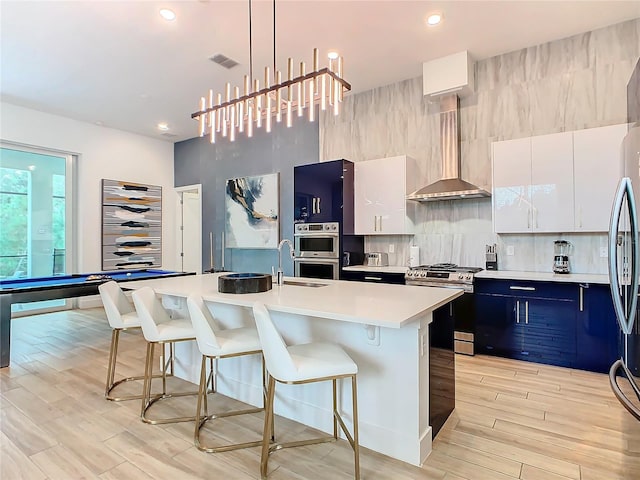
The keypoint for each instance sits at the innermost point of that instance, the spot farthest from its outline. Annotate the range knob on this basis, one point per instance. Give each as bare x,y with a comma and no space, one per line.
468,276
333,227
460,276
423,274
298,227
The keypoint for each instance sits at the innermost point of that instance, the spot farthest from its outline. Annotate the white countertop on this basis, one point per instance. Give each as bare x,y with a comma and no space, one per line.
387,269
544,276
383,305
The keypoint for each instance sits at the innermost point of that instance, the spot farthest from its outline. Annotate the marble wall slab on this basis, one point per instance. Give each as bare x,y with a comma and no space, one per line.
568,84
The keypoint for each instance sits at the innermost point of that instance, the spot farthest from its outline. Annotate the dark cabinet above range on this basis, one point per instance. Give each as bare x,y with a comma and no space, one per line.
323,192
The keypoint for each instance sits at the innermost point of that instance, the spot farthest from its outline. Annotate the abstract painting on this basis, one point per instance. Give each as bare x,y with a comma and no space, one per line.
252,212
131,225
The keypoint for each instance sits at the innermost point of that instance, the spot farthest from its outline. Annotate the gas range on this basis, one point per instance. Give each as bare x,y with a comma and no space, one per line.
442,275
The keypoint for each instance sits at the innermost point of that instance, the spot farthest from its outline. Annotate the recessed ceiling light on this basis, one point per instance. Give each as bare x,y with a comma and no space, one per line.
434,19
333,55
167,14
163,126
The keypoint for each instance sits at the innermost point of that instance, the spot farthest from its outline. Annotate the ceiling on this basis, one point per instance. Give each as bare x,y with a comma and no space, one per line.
119,64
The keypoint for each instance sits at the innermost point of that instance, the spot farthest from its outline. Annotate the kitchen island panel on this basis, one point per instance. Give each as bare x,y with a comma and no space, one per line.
385,328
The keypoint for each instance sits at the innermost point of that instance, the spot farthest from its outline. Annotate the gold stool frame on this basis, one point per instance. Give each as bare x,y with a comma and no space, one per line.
268,449
147,398
111,384
210,380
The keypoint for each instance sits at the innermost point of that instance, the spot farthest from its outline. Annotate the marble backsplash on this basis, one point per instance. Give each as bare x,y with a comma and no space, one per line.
462,239
569,84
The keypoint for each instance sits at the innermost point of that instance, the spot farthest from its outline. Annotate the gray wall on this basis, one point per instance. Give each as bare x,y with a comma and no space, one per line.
569,84
197,161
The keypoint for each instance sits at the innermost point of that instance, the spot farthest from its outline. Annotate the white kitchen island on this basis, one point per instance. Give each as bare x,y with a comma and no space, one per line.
384,328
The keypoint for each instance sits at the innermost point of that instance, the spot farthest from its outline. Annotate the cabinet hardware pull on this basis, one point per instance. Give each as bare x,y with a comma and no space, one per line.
380,222
450,309
526,312
375,223
377,279
528,218
528,289
517,311
581,298
313,205
318,205
580,217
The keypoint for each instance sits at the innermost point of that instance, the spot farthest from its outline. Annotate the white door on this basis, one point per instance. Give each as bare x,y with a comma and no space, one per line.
380,196
552,182
598,168
190,229
511,198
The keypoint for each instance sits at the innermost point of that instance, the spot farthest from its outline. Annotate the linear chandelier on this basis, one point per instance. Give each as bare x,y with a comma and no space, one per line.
237,113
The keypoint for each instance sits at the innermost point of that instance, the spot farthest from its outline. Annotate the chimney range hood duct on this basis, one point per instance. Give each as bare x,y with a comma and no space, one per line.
451,187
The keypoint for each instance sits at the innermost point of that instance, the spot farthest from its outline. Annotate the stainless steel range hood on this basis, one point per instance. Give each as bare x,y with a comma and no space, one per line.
451,187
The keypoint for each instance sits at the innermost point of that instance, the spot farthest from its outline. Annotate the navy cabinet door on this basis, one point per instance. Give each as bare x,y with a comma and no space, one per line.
598,333
548,328
495,325
318,192
534,321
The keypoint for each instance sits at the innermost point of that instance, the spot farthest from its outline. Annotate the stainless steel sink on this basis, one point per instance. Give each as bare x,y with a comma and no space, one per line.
296,283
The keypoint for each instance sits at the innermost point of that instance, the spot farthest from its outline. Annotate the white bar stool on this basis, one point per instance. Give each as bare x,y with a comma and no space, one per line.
159,328
214,344
298,364
121,316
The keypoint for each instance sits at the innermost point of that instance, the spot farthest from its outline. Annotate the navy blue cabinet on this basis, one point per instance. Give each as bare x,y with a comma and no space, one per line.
532,321
598,335
323,192
565,324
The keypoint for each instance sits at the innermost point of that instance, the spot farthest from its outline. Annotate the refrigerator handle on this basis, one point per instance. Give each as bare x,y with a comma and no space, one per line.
625,316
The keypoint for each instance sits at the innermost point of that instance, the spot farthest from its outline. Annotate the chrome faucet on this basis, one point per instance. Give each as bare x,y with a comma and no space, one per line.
280,273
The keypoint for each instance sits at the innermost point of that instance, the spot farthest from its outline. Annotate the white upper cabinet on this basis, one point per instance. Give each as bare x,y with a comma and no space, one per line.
563,182
552,183
598,167
511,180
380,191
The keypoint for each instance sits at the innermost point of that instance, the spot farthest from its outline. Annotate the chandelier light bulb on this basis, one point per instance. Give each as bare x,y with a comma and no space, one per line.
167,14
434,19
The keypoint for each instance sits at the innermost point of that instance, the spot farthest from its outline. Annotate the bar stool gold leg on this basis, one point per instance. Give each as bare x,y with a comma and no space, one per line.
148,400
201,419
268,427
110,383
111,369
268,448
355,444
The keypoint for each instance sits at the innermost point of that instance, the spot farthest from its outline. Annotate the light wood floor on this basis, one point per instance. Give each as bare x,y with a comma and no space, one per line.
512,420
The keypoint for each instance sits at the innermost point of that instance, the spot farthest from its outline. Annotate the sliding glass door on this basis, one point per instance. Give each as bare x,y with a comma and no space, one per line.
35,216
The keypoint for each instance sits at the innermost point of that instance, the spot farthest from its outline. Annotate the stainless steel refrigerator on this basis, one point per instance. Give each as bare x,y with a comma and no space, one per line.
624,259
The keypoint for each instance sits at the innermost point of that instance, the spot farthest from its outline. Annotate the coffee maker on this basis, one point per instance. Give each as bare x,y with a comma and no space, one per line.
561,251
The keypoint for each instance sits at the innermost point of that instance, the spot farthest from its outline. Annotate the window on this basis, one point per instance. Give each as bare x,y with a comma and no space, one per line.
35,216
14,222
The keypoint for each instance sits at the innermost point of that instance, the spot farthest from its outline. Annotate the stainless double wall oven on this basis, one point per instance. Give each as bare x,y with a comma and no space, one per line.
317,250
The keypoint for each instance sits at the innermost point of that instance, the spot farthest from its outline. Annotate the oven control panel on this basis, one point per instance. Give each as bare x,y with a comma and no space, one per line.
311,228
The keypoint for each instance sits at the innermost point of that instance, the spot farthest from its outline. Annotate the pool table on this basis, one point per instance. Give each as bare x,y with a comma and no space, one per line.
24,290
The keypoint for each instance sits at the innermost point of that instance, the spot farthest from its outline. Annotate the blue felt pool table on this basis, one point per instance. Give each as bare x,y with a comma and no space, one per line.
24,290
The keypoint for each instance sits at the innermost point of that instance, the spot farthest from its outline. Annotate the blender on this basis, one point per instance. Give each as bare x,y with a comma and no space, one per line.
561,250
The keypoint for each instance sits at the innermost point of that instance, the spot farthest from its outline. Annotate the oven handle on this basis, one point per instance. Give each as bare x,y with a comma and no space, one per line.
317,235
466,287
316,260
